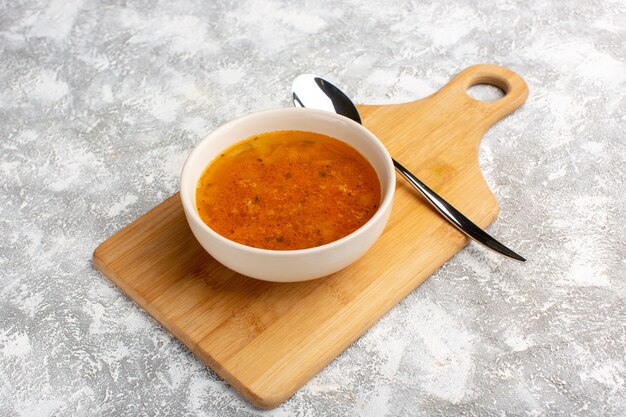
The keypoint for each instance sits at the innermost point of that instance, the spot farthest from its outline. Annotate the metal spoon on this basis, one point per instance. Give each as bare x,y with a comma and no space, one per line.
315,92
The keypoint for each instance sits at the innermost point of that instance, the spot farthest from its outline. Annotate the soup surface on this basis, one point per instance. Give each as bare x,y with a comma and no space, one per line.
288,190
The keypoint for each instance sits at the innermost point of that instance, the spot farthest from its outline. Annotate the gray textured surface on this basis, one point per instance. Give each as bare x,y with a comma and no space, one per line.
100,102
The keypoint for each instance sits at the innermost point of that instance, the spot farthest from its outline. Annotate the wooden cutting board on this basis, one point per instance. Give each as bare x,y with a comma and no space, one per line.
268,339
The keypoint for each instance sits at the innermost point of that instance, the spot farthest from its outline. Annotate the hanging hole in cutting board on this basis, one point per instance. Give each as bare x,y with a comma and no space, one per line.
485,92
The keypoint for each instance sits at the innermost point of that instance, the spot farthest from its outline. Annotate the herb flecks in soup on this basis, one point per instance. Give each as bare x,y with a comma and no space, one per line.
288,190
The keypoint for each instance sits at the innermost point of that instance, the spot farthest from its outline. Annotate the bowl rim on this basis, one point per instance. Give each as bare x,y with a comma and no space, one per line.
386,200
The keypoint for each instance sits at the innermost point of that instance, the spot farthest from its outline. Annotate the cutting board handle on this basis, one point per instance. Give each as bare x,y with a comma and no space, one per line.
514,88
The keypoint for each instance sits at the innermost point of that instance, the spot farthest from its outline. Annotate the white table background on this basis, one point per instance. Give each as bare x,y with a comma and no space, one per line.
101,101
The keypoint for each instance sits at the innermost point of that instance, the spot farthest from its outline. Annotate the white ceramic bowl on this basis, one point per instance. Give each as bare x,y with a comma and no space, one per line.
290,265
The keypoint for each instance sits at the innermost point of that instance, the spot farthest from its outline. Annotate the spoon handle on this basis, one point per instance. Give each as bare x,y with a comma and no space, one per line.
454,216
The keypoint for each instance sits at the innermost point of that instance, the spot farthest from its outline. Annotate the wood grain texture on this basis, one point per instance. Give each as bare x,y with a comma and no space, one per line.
268,339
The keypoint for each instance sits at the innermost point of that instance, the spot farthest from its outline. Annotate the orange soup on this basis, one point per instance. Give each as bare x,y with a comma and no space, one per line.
288,190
